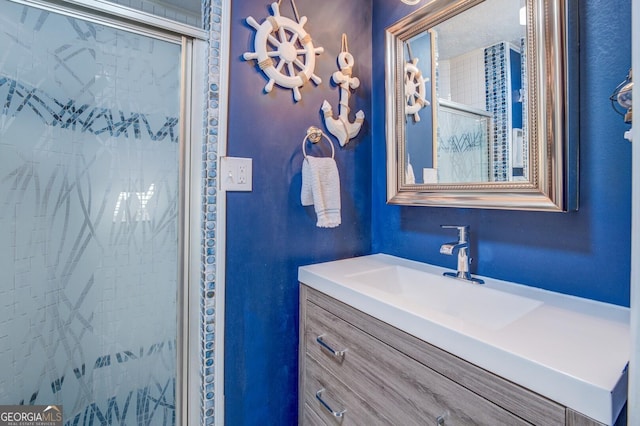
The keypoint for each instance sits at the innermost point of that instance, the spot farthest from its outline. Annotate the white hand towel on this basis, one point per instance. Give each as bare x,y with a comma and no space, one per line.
321,187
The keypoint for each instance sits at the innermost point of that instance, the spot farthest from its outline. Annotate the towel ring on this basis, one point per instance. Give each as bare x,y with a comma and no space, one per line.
314,135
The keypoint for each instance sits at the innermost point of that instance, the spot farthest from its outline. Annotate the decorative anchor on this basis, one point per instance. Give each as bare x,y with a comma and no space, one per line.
340,127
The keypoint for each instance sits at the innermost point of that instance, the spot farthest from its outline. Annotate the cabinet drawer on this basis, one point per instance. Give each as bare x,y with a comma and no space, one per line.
337,397
310,417
403,390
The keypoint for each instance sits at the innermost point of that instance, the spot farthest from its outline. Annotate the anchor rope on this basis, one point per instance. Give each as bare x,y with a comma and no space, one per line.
345,45
346,128
409,51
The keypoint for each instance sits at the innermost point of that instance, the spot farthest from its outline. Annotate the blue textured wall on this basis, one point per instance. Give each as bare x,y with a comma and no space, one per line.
269,234
584,253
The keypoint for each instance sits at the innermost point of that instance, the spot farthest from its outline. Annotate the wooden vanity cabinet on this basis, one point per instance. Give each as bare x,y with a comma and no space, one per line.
358,370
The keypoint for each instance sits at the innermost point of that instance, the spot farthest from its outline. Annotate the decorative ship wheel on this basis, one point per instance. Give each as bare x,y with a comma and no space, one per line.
414,89
284,51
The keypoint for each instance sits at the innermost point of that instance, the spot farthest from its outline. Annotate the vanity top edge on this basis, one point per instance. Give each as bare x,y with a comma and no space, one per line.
575,303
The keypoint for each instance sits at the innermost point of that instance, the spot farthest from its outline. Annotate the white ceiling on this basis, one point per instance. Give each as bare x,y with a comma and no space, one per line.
483,25
190,6
186,7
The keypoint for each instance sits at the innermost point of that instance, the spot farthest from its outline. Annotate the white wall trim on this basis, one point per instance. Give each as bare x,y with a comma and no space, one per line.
191,404
633,405
221,214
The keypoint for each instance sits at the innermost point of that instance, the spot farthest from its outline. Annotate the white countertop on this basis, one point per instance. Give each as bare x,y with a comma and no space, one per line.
572,350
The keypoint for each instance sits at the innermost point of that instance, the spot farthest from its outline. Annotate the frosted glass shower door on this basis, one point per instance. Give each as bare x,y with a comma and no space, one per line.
89,190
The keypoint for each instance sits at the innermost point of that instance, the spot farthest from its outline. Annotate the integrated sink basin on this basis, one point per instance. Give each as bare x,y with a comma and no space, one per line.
459,300
571,350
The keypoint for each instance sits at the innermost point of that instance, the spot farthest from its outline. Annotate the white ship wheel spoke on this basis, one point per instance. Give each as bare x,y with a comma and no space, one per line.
274,41
283,34
291,69
294,38
299,64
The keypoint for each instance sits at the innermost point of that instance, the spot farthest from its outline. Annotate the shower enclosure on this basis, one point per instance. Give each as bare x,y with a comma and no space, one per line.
93,184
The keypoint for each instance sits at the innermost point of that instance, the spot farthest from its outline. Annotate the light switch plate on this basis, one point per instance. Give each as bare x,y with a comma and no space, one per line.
236,174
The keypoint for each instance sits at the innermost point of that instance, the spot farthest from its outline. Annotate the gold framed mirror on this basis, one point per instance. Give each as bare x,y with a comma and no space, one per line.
477,111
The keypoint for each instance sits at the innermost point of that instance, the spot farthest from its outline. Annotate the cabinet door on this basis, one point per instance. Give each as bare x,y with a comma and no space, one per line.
400,388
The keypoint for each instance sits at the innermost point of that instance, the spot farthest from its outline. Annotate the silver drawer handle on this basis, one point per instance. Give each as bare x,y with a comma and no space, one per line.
337,414
337,354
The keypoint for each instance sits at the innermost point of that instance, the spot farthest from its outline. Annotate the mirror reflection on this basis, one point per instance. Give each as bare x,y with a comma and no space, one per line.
465,98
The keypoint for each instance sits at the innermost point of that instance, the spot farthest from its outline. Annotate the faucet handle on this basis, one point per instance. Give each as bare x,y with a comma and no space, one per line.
462,231
447,248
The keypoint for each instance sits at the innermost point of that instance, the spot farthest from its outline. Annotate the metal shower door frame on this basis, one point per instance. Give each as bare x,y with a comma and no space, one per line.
192,104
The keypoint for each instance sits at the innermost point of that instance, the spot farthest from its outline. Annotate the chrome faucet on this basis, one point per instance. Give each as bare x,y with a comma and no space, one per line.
462,246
